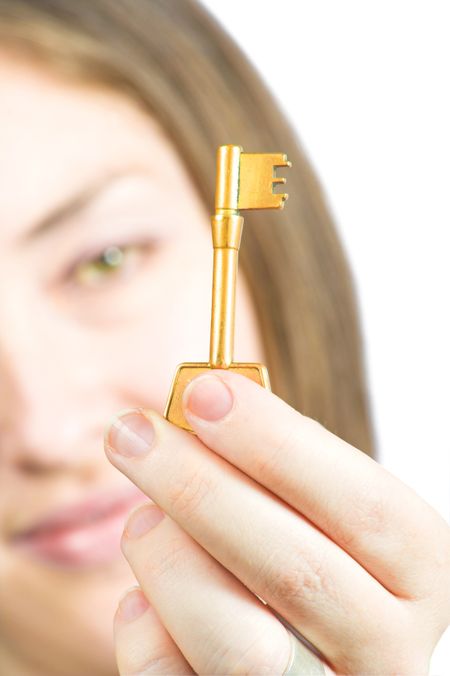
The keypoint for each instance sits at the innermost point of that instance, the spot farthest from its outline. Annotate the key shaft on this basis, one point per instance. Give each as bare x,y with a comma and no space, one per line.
227,232
243,181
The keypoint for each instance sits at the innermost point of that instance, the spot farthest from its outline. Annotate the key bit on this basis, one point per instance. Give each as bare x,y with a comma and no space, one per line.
243,181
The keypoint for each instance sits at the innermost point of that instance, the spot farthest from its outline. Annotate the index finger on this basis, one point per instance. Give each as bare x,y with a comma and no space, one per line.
366,510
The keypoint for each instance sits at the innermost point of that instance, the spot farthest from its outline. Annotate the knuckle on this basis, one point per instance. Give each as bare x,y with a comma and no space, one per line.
171,558
436,572
298,427
187,494
266,464
260,656
441,554
223,660
157,664
259,661
165,560
301,580
367,516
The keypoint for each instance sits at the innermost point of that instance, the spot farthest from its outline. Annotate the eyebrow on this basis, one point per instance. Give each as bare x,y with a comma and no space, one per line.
74,204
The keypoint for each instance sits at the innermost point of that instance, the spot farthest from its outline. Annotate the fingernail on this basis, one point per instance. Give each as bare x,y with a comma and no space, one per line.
132,605
131,433
142,520
208,397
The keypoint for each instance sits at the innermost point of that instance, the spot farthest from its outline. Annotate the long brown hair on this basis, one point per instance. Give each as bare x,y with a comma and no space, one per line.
177,61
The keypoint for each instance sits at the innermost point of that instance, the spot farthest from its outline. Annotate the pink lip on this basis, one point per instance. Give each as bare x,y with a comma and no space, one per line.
81,535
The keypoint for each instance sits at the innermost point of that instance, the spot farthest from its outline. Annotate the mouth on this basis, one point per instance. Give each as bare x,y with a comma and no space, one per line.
83,534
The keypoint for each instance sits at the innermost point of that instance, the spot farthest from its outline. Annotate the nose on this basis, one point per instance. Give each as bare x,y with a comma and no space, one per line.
45,386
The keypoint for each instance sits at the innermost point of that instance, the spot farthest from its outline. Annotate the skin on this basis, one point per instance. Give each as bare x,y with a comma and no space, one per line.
345,552
262,504
96,346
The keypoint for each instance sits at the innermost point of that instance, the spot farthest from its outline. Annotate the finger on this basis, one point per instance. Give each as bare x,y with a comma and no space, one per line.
366,510
219,626
273,550
142,643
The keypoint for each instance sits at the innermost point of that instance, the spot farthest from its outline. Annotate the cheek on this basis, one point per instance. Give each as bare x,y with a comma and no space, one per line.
177,327
140,356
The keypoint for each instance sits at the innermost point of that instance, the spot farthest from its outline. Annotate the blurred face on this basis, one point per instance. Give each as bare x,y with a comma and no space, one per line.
105,286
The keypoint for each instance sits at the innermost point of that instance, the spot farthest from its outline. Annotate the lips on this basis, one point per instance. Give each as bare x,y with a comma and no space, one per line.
83,534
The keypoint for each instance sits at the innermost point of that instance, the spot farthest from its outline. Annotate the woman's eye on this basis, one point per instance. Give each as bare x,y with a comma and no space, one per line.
110,263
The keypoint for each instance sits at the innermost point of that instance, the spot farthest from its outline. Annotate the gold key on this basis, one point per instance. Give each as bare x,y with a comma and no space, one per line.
243,181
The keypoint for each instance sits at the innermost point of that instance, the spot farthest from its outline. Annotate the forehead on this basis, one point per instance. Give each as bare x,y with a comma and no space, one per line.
55,135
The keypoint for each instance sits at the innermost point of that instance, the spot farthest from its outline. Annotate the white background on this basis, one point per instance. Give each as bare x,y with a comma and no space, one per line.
367,86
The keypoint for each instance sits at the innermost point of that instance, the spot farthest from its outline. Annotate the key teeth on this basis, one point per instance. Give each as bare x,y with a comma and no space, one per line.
284,162
258,178
282,199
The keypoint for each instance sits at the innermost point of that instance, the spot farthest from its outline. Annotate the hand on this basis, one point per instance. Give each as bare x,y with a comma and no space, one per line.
266,509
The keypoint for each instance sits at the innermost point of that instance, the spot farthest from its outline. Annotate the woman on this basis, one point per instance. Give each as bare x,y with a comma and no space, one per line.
276,514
